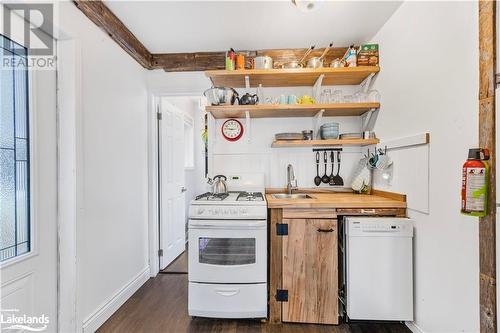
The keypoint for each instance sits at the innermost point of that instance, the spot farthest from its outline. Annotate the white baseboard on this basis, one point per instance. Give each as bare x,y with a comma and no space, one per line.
413,327
95,320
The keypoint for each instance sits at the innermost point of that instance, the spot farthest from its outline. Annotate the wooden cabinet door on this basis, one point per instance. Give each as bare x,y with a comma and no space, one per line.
310,274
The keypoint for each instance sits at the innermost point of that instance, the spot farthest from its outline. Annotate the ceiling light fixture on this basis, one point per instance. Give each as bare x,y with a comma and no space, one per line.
304,5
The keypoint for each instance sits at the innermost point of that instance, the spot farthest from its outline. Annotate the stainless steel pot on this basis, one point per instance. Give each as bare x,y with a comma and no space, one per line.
219,185
291,64
315,62
221,96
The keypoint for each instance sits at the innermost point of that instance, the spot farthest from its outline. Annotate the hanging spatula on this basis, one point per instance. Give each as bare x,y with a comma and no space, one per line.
337,179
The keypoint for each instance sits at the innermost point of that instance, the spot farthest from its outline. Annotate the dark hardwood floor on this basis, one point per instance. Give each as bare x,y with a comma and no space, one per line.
161,306
178,266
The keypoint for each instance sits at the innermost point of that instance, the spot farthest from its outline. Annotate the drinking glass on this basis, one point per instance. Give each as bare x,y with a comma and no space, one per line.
360,97
348,99
337,96
373,96
326,96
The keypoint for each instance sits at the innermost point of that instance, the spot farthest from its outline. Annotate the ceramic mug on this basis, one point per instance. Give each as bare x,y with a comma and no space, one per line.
282,99
292,99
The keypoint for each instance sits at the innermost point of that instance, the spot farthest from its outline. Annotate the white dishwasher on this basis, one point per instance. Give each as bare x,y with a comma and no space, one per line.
378,269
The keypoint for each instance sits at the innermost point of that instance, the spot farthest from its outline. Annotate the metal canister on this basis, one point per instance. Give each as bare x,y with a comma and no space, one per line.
307,134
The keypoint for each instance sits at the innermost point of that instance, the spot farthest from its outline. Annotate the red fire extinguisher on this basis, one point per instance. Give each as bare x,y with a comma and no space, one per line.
475,183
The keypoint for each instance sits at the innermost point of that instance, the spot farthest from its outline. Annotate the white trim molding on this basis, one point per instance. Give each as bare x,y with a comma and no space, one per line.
95,320
153,232
68,109
413,327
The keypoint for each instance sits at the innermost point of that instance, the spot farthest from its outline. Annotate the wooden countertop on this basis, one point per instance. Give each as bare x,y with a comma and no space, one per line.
337,200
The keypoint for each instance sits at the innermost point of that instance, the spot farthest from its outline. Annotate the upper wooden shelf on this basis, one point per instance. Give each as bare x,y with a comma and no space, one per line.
290,110
324,143
291,77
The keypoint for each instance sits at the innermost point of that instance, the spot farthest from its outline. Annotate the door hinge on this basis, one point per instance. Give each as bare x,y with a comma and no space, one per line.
281,229
160,253
281,295
158,115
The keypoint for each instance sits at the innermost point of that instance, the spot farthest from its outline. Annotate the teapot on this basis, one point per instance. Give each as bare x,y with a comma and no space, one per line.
218,184
248,99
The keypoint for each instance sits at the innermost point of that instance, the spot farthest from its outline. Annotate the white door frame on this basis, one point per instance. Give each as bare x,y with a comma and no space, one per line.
153,221
69,158
68,99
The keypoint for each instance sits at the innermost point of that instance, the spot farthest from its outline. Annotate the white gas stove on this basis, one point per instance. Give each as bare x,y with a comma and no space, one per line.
233,205
228,251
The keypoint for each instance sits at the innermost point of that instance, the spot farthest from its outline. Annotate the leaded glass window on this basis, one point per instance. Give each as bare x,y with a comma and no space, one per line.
14,152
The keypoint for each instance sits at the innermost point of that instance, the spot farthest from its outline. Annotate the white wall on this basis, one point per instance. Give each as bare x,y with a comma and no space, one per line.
257,155
429,83
112,218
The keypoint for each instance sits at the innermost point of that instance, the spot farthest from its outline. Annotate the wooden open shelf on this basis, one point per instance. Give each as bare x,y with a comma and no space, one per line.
324,143
290,110
291,77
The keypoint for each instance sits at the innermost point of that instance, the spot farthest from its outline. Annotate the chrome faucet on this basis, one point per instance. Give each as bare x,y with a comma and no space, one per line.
291,182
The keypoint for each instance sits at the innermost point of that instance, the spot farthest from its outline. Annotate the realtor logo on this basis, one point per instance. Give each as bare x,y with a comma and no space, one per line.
37,39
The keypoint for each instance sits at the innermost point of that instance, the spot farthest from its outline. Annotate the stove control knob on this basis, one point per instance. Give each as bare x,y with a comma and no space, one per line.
243,211
216,212
234,212
201,211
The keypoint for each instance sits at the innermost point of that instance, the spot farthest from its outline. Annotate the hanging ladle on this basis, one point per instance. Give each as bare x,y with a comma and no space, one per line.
332,175
325,179
317,179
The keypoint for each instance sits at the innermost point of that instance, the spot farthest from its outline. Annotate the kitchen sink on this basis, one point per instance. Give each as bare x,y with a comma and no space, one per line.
291,196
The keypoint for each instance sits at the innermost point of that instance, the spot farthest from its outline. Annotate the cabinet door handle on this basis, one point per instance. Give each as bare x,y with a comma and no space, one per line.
325,230
368,211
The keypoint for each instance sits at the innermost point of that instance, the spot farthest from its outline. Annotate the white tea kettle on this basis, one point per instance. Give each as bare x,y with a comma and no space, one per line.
219,185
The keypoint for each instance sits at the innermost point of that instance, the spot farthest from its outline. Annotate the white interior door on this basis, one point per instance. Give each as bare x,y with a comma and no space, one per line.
28,196
171,180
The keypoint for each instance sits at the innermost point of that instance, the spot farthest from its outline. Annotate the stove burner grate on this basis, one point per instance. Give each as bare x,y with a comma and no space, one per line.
250,196
212,196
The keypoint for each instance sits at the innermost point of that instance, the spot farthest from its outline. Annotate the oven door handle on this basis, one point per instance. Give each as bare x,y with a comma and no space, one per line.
228,226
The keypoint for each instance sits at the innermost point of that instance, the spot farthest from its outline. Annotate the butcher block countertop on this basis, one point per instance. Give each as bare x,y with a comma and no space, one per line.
378,199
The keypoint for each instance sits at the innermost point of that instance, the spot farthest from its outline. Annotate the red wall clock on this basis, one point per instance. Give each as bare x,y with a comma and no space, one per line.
232,130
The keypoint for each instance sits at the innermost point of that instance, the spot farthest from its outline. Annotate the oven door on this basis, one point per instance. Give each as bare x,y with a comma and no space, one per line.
224,251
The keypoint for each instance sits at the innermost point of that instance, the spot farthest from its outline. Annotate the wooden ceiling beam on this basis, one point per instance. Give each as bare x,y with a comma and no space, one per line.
202,61
104,18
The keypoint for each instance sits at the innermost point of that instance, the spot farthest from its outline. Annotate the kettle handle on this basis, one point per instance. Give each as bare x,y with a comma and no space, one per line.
236,95
220,176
